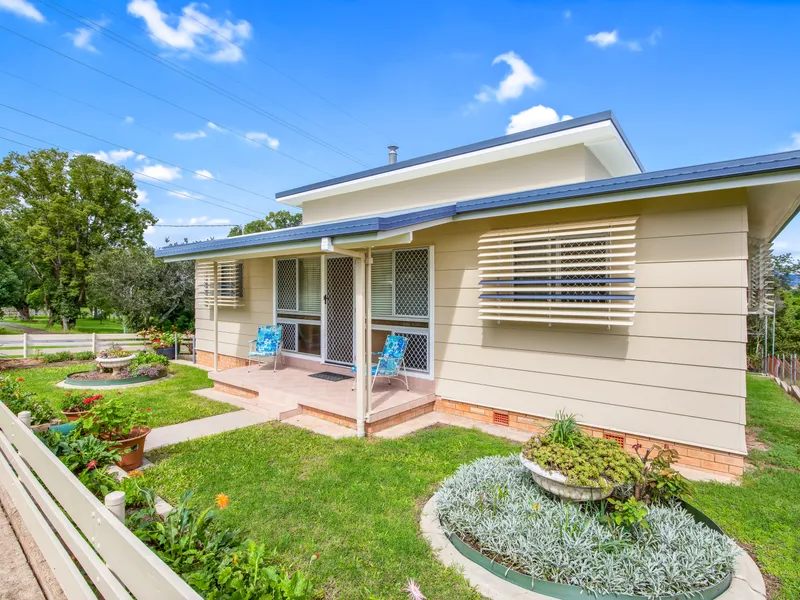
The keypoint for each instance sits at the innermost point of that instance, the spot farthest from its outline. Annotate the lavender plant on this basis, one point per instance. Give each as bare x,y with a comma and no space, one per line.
495,504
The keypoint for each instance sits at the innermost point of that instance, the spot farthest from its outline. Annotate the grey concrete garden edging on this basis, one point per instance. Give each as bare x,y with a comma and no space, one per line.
746,583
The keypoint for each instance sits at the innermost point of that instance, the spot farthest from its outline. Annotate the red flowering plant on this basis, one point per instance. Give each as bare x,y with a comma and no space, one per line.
78,403
113,420
158,339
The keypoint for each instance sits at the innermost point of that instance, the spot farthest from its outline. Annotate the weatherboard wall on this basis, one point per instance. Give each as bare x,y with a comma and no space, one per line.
555,167
678,374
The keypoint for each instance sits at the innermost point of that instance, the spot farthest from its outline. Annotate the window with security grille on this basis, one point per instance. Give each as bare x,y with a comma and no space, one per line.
578,273
400,283
298,300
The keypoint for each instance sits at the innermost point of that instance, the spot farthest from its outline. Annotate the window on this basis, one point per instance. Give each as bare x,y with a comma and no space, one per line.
579,273
298,301
400,302
400,286
229,277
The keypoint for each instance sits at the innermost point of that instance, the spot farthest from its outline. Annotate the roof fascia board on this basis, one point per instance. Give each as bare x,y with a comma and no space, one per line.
642,194
590,133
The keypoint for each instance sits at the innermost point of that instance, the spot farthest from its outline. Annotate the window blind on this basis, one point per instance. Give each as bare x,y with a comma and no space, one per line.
310,282
577,273
382,284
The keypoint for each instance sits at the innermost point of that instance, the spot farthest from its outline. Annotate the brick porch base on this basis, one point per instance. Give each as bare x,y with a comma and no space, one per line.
704,459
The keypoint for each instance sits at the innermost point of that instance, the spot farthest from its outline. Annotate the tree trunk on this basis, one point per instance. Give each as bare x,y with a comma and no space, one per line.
24,313
51,317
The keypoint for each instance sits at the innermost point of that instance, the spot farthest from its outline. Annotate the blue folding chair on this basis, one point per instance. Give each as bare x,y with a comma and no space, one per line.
268,344
390,361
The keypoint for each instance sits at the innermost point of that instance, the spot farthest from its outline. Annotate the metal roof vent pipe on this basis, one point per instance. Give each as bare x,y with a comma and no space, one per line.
393,154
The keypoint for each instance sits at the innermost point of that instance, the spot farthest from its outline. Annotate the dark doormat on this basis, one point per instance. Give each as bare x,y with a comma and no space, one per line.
328,376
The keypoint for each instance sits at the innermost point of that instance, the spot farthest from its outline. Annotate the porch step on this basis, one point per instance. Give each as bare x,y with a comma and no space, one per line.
273,410
321,426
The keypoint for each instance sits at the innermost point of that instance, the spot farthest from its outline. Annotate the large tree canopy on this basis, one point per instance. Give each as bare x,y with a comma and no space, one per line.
280,219
141,288
64,211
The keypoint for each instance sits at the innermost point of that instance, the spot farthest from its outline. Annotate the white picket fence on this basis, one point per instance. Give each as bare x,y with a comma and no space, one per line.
67,521
25,345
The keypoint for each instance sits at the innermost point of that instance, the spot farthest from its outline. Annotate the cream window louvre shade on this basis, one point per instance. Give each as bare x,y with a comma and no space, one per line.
382,284
229,283
761,287
573,273
310,285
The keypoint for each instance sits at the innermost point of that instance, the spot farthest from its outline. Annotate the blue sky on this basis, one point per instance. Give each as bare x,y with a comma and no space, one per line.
323,87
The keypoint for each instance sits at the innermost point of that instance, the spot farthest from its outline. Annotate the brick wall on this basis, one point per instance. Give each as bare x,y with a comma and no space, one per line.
717,461
224,361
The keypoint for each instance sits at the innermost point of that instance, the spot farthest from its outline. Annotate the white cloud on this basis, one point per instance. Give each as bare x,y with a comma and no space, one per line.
567,15
190,135
795,141
218,222
259,136
536,116
182,194
197,220
82,36
115,157
203,174
606,39
141,197
191,32
23,8
129,119
216,127
520,77
161,172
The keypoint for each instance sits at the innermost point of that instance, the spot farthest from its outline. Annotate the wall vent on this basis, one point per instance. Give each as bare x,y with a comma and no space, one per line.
620,439
499,418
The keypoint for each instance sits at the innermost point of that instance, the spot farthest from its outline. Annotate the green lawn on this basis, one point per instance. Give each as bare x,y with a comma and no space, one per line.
83,325
764,512
7,331
170,401
355,503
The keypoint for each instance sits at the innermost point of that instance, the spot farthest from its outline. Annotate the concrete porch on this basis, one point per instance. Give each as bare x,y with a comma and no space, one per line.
290,391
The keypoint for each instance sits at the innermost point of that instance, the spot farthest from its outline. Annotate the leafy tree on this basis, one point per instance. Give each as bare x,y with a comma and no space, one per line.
63,212
280,219
135,284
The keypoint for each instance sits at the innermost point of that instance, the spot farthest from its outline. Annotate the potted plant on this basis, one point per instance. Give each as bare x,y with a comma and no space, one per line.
567,462
74,407
124,425
114,357
162,342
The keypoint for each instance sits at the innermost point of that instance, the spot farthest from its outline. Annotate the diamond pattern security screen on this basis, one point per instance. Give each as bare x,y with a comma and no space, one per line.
579,273
411,282
339,314
416,356
229,278
286,284
289,336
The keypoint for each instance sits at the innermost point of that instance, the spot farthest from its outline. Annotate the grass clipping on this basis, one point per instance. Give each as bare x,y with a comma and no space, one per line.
494,504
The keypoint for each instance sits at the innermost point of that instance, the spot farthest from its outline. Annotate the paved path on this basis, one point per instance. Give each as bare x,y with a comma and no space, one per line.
17,581
190,430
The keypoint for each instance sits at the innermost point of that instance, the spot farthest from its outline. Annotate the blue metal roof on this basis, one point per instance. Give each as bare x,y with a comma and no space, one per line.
498,141
770,163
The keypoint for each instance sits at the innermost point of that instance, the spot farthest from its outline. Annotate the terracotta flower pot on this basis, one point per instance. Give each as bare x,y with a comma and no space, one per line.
132,449
74,416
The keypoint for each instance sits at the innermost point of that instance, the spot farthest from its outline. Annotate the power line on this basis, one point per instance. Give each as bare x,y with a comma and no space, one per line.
122,40
63,95
254,213
209,225
121,147
286,75
221,72
161,99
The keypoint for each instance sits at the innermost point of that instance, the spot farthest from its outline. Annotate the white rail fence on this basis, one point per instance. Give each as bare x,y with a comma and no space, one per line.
25,345
67,521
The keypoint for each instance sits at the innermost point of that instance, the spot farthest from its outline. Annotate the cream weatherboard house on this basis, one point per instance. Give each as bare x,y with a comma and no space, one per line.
535,272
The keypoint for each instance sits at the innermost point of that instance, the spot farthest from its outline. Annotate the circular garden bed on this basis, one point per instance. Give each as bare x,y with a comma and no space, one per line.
98,378
496,515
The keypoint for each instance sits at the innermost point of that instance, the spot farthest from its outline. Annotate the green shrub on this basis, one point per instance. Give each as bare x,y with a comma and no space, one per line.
86,355
148,358
659,481
627,514
564,430
16,400
593,462
61,356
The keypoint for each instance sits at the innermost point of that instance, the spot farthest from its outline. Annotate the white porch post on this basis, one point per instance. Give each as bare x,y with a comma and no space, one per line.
368,328
362,375
216,320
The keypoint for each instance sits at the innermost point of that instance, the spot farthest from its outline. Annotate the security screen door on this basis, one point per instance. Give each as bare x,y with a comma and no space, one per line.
340,307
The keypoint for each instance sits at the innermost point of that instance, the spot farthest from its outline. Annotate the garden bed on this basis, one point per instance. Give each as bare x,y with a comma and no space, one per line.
494,509
97,378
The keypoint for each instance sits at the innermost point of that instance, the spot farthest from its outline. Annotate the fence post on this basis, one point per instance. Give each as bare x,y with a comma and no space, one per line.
25,416
24,345
94,343
115,502
177,345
